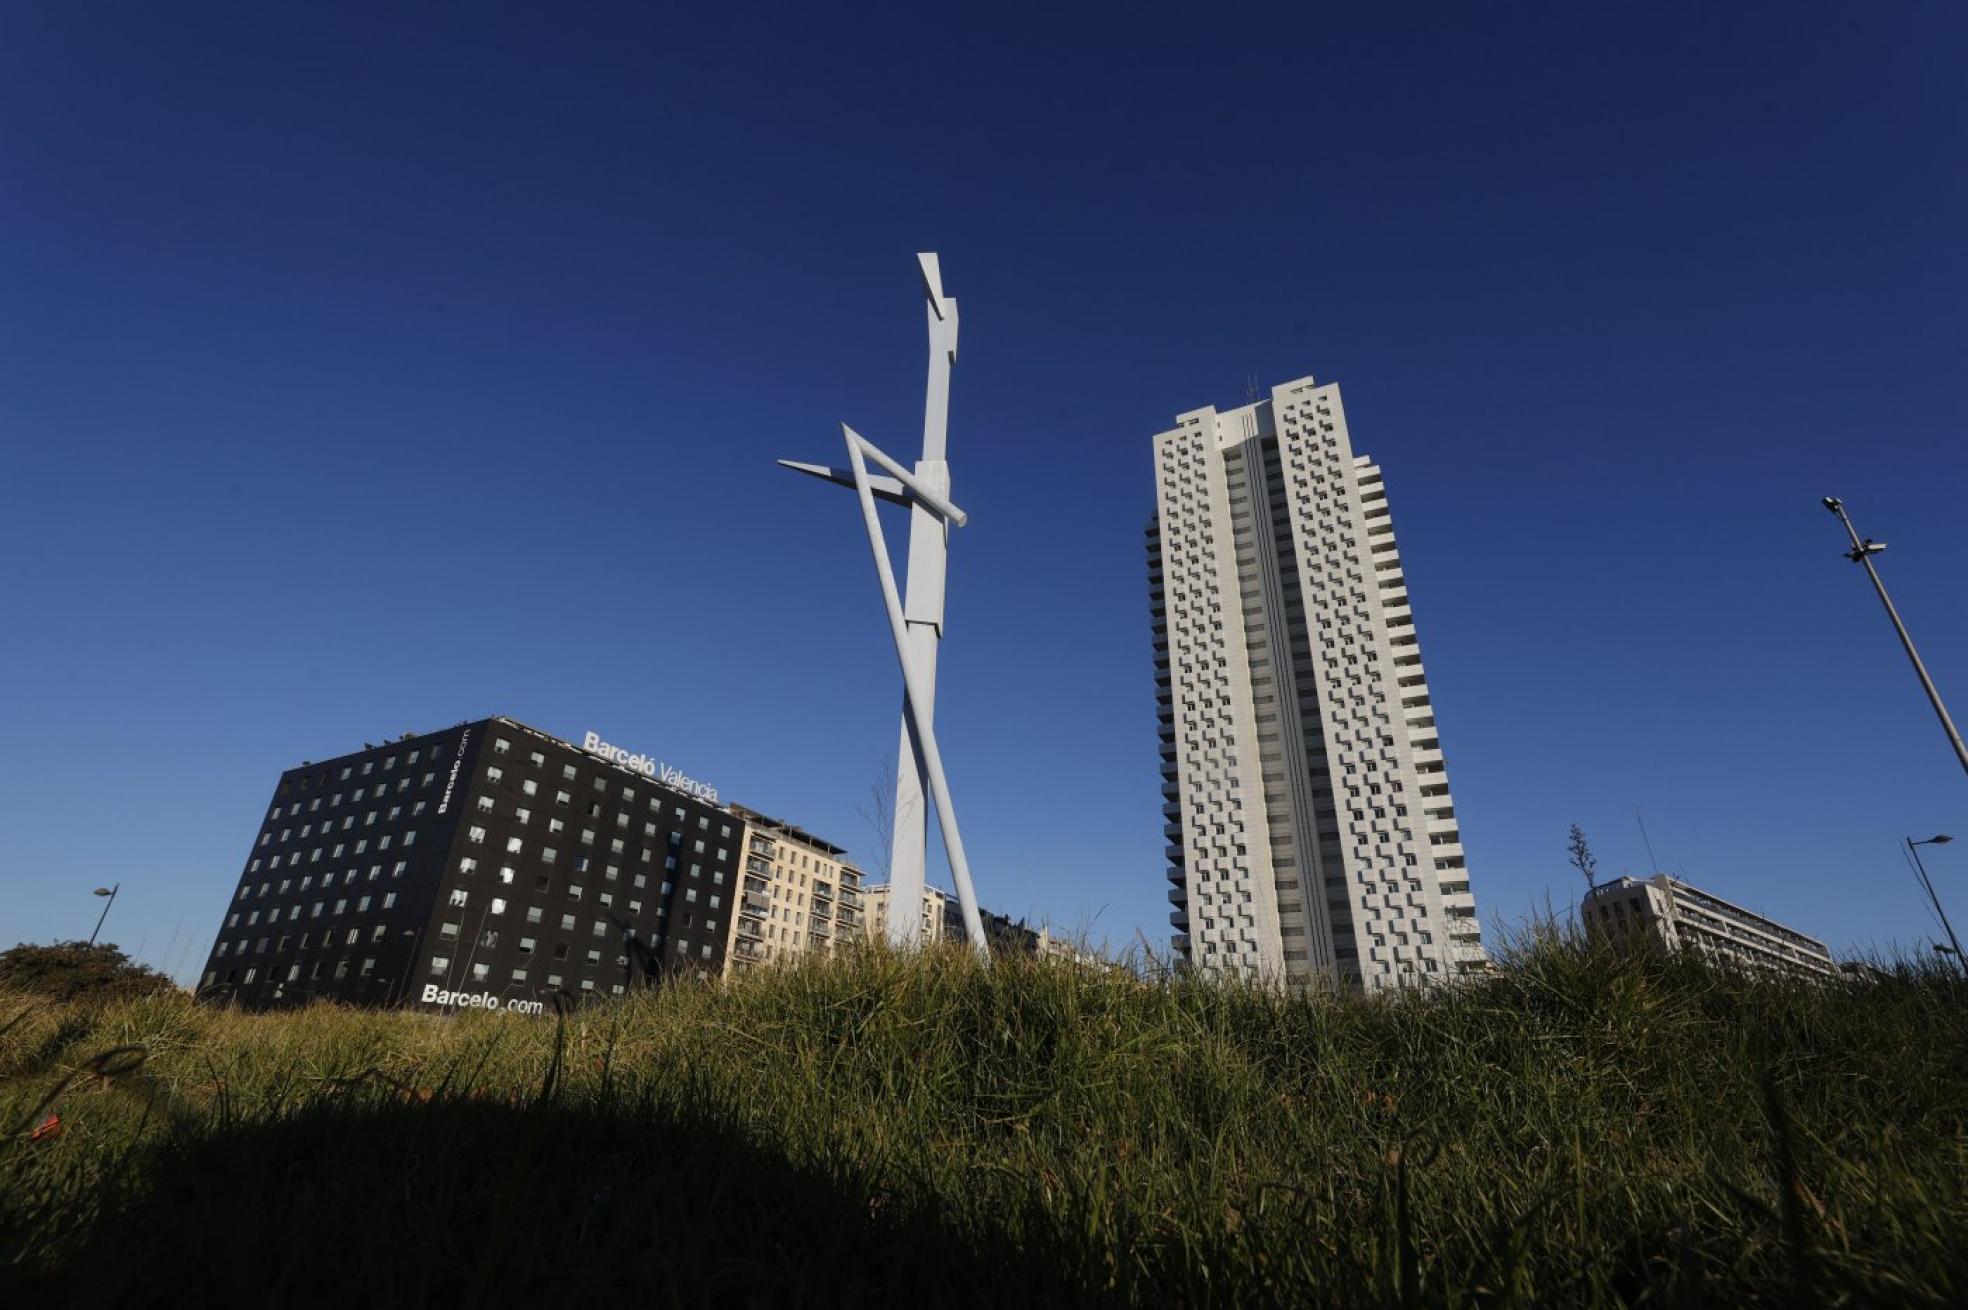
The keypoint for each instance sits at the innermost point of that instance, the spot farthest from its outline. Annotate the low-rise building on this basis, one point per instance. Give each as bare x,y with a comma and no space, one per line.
1681,915
942,920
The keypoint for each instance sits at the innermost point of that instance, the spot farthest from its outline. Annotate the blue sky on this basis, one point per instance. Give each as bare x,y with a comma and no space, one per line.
370,368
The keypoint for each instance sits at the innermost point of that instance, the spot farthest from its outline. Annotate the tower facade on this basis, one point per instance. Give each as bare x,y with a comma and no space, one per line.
1310,832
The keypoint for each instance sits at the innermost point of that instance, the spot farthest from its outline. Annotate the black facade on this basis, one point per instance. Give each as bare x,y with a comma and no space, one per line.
485,866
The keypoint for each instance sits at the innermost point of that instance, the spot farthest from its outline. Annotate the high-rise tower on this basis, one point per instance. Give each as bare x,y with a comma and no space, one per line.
1311,835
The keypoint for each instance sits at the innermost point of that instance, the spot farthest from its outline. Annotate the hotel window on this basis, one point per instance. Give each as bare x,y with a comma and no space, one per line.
600,928
490,937
707,950
526,945
549,855
448,931
343,776
530,787
341,968
519,975
341,905
615,846
555,826
539,760
522,814
232,920
533,914
368,966
567,772
500,745
573,891
485,804
587,984
506,874
498,905
560,950
514,845
480,972
594,957
567,923
468,866
389,900
494,773
635,907
580,864
459,896
249,974
587,836
362,905
475,834
553,980
401,865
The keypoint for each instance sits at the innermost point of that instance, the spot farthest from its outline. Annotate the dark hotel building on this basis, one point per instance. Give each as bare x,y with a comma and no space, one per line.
485,866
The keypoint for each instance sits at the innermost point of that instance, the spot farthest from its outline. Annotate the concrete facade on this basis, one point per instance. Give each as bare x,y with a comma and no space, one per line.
1684,917
798,896
1311,836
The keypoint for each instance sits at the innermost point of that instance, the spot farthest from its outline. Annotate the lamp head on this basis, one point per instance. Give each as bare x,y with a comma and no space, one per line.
1833,503
103,891
1938,839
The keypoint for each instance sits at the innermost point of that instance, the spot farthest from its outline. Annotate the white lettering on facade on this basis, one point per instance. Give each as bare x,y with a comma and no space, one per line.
435,995
444,802
649,767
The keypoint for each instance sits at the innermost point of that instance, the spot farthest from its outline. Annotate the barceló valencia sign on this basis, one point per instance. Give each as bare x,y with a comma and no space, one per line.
649,767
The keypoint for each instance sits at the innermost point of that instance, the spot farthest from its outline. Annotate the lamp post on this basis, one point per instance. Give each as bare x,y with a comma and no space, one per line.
1862,553
111,893
1913,849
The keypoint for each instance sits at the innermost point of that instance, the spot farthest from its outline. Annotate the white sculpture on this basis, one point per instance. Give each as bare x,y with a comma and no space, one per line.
917,624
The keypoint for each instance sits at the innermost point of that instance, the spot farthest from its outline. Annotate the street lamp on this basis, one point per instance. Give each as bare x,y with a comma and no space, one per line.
1862,553
1913,849
111,893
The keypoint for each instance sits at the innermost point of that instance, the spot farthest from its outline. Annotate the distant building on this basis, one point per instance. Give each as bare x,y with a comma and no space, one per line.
1311,837
487,866
799,895
942,920
1683,916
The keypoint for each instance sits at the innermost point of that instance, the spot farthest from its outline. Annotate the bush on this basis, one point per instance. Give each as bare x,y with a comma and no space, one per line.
78,971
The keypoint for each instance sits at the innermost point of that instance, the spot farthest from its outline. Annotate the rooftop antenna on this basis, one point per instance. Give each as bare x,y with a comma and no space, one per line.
1652,863
1250,388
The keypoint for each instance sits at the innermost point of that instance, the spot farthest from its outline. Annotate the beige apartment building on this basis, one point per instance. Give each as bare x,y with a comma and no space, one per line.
1683,916
797,895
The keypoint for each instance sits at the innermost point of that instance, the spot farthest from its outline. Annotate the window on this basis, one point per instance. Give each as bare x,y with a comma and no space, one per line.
529,787
475,834
519,975
514,845
494,774
501,746
567,923
539,761
468,866
480,972
526,945
533,914
459,896
498,905
389,900
440,964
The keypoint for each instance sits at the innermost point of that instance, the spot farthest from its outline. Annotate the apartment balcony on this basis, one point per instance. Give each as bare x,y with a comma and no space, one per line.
1174,872
851,896
1179,919
748,930
1180,942
1430,755
823,910
756,906
757,886
1172,831
1178,894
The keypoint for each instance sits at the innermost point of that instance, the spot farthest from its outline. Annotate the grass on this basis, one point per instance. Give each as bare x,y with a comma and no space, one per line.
1582,1127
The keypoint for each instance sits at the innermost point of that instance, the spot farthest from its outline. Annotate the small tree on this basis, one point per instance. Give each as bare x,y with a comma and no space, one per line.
70,971
1582,858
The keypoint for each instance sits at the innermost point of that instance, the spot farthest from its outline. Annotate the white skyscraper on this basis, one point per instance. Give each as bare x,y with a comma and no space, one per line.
1311,835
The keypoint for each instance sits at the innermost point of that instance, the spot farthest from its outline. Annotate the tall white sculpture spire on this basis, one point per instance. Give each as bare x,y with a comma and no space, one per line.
917,623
